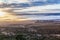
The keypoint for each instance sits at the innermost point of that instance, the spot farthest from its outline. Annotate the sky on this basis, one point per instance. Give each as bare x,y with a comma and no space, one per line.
10,1
54,8
45,6
24,1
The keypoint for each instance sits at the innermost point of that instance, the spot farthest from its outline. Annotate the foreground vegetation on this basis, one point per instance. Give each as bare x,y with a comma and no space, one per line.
23,37
23,34
35,31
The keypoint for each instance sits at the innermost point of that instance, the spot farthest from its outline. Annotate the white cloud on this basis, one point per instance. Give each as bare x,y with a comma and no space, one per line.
38,0
44,17
43,9
10,1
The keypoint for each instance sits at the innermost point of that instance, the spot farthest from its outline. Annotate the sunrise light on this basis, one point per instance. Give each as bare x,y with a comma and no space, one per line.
6,16
2,14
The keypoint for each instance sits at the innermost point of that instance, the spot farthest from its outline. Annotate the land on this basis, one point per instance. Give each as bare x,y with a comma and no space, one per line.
31,30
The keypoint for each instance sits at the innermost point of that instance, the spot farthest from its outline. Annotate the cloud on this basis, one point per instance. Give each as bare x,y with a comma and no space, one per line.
36,17
43,9
38,0
11,1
